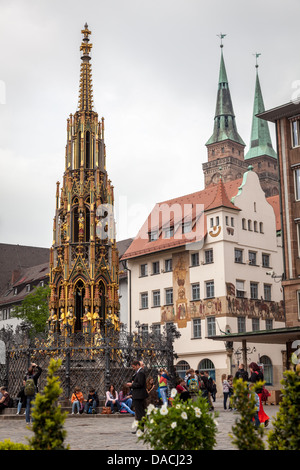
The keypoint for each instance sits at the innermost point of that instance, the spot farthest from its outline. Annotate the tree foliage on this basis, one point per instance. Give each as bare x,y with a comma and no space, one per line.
48,419
34,310
244,433
285,434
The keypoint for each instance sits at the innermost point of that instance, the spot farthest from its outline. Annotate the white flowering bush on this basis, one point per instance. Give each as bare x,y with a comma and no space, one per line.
184,425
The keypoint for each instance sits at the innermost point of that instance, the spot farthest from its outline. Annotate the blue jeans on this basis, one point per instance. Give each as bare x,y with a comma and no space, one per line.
75,404
126,405
163,394
27,409
89,404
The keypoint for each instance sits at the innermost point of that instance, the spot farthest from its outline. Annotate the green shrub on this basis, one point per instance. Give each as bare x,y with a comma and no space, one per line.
245,435
182,426
7,444
48,419
285,434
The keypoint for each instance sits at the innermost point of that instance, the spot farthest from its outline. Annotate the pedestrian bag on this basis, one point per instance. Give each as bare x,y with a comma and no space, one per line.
29,389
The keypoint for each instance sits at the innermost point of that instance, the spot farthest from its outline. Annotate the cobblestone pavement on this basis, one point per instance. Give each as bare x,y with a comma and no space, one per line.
114,433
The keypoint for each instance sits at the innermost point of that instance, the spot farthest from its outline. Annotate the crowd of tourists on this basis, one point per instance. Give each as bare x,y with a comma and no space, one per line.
134,396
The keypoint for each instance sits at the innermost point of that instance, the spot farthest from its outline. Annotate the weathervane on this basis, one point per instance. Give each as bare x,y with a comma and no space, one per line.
221,36
256,55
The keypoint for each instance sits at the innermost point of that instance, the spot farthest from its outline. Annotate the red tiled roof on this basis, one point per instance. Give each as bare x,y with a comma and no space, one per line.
184,209
275,203
214,196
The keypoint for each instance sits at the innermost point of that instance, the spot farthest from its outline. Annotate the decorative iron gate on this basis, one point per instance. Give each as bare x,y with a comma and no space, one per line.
88,361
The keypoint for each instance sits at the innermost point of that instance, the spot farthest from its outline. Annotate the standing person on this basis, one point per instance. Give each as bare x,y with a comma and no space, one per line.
241,373
152,393
112,399
31,388
92,401
256,375
210,388
139,392
163,385
257,405
193,385
22,399
225,386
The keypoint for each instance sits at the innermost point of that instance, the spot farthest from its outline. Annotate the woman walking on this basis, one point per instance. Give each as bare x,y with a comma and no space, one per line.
255,376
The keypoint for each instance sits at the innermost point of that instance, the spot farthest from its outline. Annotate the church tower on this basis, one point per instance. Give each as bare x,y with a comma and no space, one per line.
84,261
225,148
261,154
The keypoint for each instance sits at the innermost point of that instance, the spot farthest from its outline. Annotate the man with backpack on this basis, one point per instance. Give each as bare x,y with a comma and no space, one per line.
193,385
30,389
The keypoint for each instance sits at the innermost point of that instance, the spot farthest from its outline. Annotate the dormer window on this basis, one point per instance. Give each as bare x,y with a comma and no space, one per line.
153,236
169,232
28,288
15,291
186,227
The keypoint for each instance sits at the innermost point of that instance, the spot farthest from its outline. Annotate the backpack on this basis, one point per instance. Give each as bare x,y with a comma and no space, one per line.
29,389
193,385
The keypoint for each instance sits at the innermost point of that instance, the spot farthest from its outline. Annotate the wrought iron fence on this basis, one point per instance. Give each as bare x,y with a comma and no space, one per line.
87,360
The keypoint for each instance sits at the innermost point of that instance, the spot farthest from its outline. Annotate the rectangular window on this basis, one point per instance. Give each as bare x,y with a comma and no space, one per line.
240,291
267,291
298,303
232,221
155,267
144,300
153,236
156,329
226,220
210,289
196,328
211,326
297,184
254,290
156,298
144,270
269,324
295,133
252,258
238,255
186,227
195,259
255,324
241,323
209,256
265,260
168,265
145,332
169,232
169,296
196,291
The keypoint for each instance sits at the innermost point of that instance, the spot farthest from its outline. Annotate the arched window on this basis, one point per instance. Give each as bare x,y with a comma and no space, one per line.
268,369
79,151
207,365
244,224
181,368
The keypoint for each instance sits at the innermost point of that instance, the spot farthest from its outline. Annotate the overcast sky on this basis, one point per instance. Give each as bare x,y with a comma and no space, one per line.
155,71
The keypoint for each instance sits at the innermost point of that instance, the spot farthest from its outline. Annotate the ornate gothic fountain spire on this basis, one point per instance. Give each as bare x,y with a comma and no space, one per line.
85,87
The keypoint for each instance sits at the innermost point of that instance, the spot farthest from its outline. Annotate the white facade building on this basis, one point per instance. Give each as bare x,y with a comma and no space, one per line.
224,282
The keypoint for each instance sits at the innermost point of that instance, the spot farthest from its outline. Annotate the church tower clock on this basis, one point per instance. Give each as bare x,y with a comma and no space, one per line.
84,261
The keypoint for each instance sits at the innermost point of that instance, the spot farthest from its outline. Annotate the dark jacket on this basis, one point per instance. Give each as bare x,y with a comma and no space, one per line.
93,397
22,396
257,376
138,387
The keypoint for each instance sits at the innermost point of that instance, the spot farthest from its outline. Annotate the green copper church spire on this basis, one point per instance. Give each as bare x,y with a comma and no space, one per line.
224,121
260,141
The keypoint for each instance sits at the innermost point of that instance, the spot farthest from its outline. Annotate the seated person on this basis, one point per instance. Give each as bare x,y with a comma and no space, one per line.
5,398
112,399
92,401
182,390
125,400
